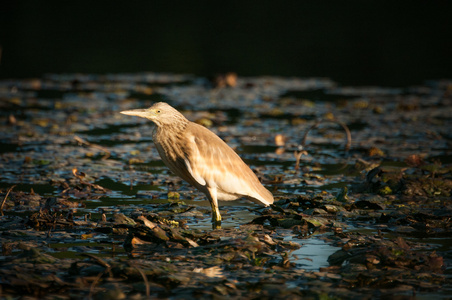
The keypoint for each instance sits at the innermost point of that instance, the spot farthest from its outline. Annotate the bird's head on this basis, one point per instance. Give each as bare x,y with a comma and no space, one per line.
162,114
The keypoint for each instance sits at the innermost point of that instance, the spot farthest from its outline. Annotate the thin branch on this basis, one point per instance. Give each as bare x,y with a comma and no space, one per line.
6,196
298,155
107,270
145,279
301,152
342,124
86,143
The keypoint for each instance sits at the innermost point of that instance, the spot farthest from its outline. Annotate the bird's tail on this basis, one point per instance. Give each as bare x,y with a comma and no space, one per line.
263,197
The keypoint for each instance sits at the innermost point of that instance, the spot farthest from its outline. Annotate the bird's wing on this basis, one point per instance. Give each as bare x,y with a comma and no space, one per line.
212,162
176,162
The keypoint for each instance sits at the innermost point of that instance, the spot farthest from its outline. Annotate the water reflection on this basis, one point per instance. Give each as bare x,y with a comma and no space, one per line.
313,254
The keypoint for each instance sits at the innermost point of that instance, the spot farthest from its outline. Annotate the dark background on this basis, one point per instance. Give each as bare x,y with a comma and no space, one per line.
389,43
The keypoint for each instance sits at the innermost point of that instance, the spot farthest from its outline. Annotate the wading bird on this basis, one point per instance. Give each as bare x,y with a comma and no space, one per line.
201,158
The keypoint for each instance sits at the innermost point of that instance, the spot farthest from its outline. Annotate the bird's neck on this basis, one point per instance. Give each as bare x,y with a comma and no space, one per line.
169,138
171,131
174,128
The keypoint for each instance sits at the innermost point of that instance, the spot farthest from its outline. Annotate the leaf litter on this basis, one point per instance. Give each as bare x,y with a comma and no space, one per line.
89,211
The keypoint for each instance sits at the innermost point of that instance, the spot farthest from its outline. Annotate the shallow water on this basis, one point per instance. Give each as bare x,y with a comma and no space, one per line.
313,253
39,153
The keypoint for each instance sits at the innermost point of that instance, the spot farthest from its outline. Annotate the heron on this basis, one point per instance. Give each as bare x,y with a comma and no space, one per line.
201,158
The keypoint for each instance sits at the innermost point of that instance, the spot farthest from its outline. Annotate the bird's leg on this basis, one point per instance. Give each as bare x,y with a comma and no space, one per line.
216,217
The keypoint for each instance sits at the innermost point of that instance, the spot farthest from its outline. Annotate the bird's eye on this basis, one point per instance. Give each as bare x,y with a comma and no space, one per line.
158,111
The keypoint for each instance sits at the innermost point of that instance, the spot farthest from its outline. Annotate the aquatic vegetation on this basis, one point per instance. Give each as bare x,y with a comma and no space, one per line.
88,210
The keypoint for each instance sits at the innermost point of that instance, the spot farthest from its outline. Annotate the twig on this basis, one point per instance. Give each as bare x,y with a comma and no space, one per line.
301,152
94,283
102,263
6,196
342,124
348,134
98,260
145,279
81,175
83,142
298,155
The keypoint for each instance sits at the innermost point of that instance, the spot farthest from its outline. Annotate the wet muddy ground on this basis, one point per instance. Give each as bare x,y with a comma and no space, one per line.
89,211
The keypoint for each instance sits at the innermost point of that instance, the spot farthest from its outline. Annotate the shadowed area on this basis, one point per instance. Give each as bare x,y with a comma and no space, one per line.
353,42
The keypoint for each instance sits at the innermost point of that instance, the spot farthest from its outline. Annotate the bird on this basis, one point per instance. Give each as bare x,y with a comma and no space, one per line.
201,158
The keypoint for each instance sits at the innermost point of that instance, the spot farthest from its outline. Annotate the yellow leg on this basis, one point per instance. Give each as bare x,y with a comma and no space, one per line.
216,217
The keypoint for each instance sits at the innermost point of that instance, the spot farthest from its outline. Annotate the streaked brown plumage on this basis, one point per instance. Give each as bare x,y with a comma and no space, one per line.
201,158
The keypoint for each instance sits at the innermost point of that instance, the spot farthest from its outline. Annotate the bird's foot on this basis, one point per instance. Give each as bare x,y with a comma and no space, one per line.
216,224
216,220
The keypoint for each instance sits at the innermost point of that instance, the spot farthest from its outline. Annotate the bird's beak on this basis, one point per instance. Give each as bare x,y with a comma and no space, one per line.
136,112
